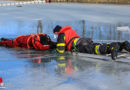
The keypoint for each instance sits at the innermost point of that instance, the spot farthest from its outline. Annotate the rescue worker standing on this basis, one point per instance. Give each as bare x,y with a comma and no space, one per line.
33,41
69,40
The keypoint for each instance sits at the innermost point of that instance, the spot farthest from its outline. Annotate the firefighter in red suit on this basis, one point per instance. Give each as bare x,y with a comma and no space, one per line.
33,41
66,36
69,40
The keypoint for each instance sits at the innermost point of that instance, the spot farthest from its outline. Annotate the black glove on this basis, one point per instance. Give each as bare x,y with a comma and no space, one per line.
53,46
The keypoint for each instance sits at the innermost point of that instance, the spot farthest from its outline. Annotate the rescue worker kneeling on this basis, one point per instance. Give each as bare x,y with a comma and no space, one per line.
69,40
33,41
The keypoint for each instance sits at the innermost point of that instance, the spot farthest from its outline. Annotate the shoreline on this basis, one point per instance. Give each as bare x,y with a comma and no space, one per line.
115,2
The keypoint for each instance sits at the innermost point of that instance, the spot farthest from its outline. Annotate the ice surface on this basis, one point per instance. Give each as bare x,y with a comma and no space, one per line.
101,19
23,69
96,31
67,12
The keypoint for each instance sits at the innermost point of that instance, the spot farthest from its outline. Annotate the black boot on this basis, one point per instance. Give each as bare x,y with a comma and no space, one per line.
114,48
126,46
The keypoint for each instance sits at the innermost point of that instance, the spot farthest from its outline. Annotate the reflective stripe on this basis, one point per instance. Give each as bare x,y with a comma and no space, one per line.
112,48
75,40
60,44
75,69
61,58
28,40
108,44
97,67
61,64
97,49
74,44
60,51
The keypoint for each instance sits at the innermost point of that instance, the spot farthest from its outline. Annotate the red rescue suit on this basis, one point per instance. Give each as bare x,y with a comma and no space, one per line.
31,41
70,36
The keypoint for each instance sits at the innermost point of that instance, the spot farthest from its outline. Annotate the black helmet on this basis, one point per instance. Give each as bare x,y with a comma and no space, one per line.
45,39
57,28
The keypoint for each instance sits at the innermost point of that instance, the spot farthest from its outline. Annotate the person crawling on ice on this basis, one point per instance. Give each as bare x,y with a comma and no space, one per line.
69,40
33,41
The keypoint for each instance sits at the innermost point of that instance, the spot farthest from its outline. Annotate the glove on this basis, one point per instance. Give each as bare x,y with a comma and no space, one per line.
53,46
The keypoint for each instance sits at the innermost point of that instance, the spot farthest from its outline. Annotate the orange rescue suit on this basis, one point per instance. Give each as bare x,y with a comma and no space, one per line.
31,41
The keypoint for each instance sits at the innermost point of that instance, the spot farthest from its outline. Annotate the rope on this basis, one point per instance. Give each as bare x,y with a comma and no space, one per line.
21,3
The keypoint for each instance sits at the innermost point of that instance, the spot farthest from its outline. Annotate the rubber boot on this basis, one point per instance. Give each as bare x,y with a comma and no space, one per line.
126,46
114,48
109,49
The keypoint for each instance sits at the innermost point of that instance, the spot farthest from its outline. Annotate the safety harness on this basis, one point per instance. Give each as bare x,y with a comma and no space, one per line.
70,41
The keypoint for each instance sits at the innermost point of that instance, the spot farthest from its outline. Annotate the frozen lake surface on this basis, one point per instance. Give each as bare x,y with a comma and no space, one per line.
23,69
67,12
38,70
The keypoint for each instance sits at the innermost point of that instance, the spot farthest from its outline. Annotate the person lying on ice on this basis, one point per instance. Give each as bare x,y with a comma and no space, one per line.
69,40
33,41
